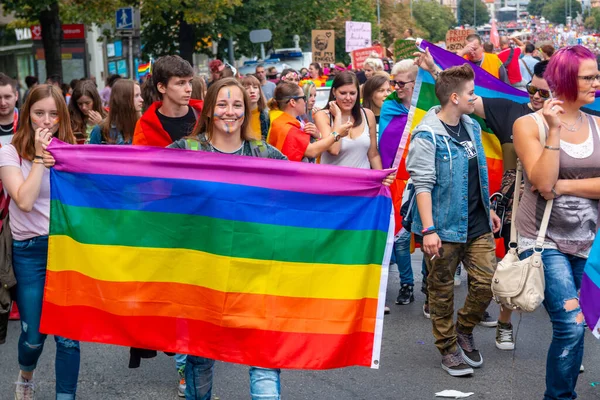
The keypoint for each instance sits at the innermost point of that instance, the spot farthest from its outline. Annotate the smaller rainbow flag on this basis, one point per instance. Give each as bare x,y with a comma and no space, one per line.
589,297
144,69
286,134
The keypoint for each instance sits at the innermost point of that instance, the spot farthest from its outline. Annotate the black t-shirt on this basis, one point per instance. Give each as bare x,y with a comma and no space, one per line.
501,114
478,218
178,127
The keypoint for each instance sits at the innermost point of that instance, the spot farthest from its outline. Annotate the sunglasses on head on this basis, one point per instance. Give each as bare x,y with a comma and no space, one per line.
399,84
532,90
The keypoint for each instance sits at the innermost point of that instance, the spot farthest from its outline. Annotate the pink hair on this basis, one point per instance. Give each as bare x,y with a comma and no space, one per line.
563,70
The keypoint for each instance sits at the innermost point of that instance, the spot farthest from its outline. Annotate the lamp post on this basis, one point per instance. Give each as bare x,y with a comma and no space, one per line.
475,15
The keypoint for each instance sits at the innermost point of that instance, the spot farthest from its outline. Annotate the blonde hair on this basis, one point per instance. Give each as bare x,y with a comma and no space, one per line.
403,66
374,63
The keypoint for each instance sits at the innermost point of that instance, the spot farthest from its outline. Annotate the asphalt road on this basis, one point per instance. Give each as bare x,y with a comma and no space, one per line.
410,366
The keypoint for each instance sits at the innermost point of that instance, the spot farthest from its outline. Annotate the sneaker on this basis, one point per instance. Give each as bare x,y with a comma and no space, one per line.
504,337
466,345
181,387
455,364
386,310
25,389
581,369
488,321
406,294
426,311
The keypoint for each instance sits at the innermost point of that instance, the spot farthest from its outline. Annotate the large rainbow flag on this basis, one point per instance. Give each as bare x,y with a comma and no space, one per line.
260,262
590,290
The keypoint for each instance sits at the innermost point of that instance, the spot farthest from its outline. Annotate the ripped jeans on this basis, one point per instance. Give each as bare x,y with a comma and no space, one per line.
563,279
29,263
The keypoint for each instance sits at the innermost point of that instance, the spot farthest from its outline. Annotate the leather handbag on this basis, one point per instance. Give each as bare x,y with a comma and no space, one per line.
519,284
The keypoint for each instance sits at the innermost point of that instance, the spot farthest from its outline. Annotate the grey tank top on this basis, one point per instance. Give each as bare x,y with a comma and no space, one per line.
354,152
572,225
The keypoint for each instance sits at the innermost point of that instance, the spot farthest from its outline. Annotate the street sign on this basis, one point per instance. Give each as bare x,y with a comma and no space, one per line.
124,18
260,36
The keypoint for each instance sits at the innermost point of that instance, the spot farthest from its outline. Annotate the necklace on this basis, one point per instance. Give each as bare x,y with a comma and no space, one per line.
451,130
6,130
572,128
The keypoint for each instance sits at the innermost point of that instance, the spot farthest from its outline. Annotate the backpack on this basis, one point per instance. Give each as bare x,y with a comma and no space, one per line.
409,198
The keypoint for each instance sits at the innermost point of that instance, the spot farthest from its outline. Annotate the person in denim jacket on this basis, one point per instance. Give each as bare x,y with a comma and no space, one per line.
447,164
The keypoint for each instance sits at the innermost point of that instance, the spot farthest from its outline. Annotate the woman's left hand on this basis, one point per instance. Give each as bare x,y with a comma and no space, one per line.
496,221
311,129
389,179
48,160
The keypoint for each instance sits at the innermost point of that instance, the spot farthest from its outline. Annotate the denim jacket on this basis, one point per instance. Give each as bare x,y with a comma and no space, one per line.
438,164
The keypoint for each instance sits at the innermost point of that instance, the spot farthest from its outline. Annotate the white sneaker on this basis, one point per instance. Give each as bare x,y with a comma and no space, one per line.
504,338
25,388
581,369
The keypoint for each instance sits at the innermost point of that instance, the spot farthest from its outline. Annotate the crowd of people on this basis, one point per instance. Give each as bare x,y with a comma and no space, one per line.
453,221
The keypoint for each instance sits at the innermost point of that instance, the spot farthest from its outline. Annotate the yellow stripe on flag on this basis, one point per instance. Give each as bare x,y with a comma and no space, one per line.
225,274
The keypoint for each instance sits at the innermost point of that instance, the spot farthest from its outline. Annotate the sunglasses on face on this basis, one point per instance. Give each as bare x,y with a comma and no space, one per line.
296,98
399,84
532,90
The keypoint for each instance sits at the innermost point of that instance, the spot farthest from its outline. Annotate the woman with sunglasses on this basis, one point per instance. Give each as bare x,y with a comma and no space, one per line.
565,168
291,136
359,149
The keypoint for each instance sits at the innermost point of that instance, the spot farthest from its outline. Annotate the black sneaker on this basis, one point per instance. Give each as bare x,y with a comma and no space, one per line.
488,321
455,364
406,294
466,344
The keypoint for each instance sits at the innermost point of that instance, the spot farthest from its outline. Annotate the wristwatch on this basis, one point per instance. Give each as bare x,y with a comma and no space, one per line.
336,136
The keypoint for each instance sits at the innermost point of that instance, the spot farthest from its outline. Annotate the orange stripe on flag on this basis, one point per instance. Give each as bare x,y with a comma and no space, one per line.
228,310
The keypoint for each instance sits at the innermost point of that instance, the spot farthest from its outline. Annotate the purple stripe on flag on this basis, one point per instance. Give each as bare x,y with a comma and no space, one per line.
212,167
446,59
590,301
390,140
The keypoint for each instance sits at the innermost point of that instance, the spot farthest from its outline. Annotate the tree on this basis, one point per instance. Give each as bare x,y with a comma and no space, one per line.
593,20
556,11
395,19
465,11
433,18
47,13
535,7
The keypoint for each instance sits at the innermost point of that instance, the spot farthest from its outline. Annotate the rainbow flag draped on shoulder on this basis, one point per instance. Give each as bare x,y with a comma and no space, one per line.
260,262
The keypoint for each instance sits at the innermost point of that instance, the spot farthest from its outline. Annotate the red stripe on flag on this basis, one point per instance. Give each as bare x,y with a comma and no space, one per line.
267,349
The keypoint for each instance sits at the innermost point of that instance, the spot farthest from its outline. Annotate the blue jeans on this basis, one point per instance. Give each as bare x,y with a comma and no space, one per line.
563,279
29,263
402,251
180,360
264,382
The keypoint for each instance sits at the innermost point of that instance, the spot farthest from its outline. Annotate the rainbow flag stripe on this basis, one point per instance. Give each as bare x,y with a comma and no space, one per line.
590,290
258,262
144,69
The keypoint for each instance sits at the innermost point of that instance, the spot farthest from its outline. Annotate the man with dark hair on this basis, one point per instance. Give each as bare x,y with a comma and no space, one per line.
9,114
500,115
510,60
473,52
55,80
174,117
408,34
268,87
488,47
528,62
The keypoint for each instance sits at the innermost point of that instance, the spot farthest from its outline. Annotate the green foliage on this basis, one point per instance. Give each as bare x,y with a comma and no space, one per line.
554,11
433,18
593,20
535,7
465,11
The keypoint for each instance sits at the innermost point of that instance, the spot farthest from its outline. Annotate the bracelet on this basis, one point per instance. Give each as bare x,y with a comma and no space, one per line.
37,162
429,232
432,227
551,147
554,193
39,157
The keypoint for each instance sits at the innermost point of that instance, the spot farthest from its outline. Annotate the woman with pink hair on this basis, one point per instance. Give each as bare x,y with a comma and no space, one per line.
564,167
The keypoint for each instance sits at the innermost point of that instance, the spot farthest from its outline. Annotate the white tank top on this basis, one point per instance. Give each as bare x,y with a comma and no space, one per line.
354,152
